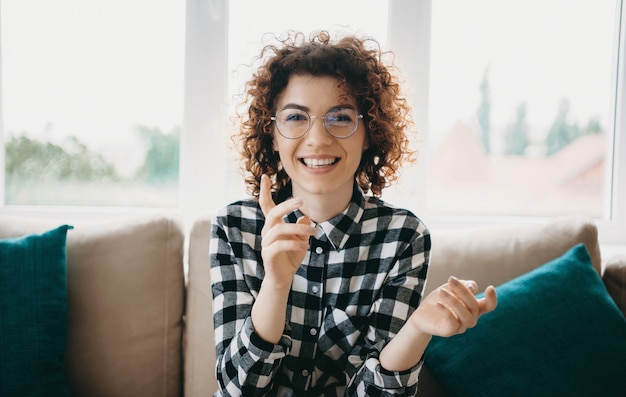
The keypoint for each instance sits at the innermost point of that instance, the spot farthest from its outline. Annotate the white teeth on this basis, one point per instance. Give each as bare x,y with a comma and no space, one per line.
318,162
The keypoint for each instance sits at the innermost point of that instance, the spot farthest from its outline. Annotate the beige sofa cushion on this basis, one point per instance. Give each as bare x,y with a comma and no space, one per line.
614,278
496,254
125,303
199,344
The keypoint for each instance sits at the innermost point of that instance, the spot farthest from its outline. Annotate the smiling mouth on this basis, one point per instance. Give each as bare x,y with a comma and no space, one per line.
319,163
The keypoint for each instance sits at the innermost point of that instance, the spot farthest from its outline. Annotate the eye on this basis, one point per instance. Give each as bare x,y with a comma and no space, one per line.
294,116
344,116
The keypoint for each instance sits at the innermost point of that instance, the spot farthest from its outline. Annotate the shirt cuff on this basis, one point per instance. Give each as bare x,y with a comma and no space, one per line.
381,378
261,349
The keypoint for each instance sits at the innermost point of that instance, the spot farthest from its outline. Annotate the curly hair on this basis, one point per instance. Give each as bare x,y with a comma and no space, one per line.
358,64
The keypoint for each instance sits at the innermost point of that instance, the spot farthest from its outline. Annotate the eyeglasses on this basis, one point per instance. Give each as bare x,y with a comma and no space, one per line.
294,123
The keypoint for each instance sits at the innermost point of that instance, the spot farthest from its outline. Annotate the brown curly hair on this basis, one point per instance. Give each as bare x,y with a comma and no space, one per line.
358,64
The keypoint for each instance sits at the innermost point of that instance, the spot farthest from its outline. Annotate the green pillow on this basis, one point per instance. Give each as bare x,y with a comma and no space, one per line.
33,314
556,332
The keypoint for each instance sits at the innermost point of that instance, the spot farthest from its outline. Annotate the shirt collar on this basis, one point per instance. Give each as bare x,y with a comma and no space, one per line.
339,228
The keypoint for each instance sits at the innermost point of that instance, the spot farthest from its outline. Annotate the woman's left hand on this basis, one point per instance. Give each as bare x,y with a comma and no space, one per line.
452,308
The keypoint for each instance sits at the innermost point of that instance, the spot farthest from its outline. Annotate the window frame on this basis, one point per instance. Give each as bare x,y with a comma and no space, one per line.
414,20
205,105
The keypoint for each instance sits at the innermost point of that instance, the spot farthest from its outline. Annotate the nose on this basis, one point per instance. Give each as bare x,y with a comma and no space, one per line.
317,133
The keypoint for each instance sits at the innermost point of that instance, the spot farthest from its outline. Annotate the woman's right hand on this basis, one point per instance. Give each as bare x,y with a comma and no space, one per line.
283,244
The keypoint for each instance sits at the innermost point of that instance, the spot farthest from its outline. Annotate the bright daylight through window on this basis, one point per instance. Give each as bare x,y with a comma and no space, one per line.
517,104
521,107
92,101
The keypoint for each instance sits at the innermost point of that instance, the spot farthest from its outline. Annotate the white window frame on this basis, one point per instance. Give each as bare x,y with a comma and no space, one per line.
409,38
202,180
409,23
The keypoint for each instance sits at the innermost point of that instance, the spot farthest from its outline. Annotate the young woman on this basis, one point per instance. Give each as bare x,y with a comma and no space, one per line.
317,287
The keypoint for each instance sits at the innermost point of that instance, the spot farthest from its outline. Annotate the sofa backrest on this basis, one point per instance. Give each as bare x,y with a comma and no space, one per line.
499,253
489,255
199,343
125,301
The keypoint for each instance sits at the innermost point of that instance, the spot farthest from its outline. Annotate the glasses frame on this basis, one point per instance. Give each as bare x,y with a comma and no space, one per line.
310,118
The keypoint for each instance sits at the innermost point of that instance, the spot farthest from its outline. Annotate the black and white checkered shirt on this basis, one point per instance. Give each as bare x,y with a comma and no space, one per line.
362,277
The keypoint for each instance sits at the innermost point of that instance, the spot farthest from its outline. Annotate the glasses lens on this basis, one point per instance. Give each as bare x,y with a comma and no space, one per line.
292,123
341,123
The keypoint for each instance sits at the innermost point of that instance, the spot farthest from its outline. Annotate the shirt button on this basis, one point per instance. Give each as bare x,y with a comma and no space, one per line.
313,331
319,250
305,372
315,289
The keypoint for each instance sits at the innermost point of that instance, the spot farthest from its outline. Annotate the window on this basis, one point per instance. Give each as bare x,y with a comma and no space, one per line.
92,102
521,107
465,65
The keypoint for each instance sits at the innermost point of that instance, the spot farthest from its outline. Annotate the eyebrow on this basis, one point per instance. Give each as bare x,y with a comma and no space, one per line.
305,108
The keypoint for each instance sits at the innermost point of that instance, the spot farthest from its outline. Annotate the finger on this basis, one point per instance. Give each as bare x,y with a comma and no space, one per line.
282,246
464,290
305,220
288,231
471,285
276,214
308,228
458,308
489,301
265,195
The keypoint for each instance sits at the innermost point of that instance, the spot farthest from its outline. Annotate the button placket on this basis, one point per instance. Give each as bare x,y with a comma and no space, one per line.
311,326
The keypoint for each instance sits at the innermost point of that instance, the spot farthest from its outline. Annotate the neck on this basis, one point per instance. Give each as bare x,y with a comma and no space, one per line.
322,207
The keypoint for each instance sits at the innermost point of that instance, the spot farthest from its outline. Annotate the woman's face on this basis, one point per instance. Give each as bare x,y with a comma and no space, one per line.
318,163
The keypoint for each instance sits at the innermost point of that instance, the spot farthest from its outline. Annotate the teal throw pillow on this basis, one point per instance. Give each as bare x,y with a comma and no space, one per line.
556,332
33,315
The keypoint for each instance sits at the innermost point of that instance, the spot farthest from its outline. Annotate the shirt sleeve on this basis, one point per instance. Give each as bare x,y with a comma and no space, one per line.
399,298
245,363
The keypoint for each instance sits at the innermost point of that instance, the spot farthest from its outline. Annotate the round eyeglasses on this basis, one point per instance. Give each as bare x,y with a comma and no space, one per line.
294,123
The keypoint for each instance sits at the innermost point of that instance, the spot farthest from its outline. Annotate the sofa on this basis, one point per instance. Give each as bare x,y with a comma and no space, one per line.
138,295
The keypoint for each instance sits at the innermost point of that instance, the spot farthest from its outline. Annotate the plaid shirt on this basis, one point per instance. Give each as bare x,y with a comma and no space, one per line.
361,278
